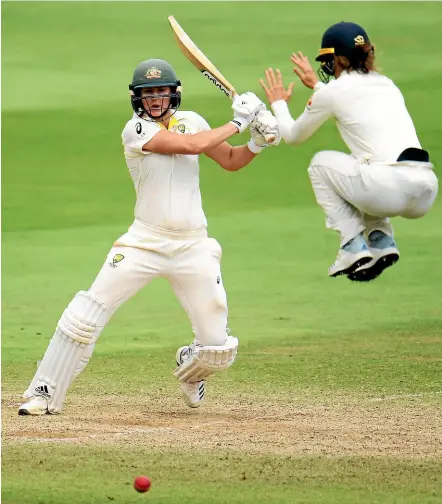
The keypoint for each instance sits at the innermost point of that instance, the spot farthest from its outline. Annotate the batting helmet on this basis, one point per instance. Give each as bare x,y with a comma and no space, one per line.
154,73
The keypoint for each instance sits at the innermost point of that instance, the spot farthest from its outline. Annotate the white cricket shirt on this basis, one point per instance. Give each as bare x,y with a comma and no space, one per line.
166,185
370,114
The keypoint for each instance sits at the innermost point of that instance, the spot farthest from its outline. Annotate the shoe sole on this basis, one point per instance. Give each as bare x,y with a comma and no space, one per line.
191,405
368,274
25,412
360,262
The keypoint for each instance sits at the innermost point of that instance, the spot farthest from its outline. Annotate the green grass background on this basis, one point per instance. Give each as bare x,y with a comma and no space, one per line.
66,195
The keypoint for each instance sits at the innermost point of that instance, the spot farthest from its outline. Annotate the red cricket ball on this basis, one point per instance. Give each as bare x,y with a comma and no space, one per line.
142,483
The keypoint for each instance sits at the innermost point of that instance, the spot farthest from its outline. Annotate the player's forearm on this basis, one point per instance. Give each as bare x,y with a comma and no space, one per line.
297,131
238,158
169,142
206,140
290,131
294,131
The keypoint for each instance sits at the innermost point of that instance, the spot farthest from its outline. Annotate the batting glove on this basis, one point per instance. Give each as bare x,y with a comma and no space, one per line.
245,108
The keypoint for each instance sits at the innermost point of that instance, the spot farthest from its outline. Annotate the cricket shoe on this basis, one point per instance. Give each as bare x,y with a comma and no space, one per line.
385,254
28,395
351,256
193,392
38,405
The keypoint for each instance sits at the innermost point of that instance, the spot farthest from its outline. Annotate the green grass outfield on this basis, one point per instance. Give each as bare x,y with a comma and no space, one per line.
336,393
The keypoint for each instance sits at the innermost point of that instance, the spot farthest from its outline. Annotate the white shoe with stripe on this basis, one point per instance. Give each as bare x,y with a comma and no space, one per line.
38,405
193,392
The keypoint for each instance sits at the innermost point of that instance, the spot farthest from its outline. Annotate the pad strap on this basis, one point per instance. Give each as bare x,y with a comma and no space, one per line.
207,360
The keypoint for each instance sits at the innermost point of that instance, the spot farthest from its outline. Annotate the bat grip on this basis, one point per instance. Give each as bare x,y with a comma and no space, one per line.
268,138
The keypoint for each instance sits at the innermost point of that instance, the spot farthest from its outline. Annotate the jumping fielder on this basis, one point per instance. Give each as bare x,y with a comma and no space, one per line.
387,173
168,238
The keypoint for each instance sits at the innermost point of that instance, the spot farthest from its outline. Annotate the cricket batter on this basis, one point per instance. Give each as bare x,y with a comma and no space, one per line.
386,174
168,238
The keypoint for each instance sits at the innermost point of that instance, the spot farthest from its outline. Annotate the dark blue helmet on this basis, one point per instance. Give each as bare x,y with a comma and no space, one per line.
343,39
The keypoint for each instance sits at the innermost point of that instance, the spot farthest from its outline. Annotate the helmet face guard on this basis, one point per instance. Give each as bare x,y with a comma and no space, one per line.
138,105
327,68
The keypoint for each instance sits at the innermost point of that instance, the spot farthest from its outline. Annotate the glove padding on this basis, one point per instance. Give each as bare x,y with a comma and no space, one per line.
261,126
245,108
264,124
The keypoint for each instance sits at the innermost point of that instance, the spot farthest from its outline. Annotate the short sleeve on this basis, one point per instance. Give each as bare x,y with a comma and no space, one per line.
199,121
136,134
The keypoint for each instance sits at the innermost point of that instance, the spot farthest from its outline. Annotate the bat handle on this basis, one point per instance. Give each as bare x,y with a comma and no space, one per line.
270,138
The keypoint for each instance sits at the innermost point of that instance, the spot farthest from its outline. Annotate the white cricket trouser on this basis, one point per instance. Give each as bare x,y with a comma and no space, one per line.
190,262
356,195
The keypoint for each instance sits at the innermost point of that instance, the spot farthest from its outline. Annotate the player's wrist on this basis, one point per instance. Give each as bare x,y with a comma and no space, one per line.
242,123
254,147
282,113
318,85
279,106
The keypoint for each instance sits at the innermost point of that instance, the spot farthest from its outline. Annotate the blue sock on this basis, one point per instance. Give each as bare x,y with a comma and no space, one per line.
378,239
356,244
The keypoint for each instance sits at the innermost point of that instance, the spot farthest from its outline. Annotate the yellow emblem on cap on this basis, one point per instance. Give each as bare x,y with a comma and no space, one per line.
359,40
153,73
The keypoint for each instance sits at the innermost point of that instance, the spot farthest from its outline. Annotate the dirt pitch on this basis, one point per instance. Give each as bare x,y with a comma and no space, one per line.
395,426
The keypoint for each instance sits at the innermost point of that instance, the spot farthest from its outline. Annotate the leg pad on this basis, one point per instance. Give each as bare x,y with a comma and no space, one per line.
75,332
206,360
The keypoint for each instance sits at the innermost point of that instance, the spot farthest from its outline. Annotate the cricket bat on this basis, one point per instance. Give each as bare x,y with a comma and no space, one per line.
204,65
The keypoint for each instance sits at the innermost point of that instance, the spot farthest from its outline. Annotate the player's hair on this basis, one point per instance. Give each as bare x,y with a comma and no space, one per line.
362,60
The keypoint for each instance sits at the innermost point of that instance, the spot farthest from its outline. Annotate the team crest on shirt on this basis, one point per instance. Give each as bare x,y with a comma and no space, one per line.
115,260
181,128
153,73
309,103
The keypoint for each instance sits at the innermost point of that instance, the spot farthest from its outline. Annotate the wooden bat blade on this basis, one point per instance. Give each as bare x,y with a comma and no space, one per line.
204,65
200,60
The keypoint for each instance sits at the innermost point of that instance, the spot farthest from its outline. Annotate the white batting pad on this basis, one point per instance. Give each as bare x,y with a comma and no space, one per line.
82,363
207,360
76,330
